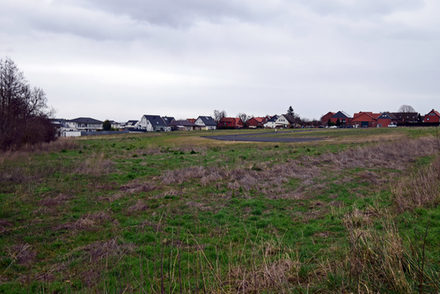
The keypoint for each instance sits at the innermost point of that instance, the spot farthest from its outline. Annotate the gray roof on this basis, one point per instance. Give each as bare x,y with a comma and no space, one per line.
184,123
168,119
273,118
341,114
290,118
208,121
86,120
384,116
156,120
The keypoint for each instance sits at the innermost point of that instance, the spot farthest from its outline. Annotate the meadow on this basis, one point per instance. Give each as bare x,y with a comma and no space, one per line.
355,212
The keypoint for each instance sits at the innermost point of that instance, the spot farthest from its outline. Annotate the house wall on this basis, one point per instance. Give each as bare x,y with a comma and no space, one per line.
199,122
383,122
145,124
431,118
85,127
326,118
282,122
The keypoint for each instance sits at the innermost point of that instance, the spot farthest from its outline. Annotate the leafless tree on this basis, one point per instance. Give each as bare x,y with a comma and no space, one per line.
23,110
244,117
219,114
406,108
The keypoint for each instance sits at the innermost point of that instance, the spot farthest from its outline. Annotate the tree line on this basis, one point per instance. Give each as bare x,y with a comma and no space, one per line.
24,115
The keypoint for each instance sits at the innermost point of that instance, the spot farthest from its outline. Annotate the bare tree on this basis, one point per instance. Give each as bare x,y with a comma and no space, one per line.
243,116
219,114
406,108
23,110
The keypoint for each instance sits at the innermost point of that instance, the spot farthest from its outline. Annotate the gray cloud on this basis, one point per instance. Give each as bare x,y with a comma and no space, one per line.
188,57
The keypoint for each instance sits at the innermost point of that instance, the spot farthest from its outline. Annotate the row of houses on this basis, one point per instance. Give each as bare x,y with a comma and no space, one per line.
385,119
148,123
156,123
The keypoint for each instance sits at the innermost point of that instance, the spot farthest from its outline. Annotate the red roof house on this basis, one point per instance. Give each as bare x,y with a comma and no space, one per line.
384,120
325,119
365,119
256,122
230,123
432,117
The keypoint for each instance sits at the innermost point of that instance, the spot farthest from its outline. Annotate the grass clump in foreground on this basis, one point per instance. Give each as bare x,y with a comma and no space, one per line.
176,213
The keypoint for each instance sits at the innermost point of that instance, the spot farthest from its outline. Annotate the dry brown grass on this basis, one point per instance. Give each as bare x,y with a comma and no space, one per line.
88,221
274,271
27,150
95,165
376,259
419,189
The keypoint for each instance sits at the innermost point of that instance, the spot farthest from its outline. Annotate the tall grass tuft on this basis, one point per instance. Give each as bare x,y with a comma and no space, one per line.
420,189
378,261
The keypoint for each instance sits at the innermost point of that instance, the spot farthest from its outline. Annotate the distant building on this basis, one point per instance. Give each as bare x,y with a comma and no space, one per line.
385,120
153,123
230,123
256,122
365,119
325,119
168,119
85,124
341,118
277,121
205,123
182,125
406,118
432,117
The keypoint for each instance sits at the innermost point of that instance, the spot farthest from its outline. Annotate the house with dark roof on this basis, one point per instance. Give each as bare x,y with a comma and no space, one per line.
340,118
432,117
385,120
407,118
168,119
294,122
182,125
205,123
131,124
278,121
85,124
153,123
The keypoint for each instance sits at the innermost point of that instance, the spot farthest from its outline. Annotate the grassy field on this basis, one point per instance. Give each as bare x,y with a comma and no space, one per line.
177,213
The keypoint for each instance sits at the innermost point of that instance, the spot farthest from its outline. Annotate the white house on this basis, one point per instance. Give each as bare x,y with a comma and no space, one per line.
153,123
205,123
86,124
277,121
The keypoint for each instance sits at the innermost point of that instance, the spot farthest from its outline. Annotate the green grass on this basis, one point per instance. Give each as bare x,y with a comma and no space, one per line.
78,219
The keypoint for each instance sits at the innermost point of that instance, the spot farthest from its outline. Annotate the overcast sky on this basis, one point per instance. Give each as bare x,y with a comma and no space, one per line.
119,59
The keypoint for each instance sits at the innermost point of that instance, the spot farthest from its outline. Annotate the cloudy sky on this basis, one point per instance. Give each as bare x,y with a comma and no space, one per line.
119,59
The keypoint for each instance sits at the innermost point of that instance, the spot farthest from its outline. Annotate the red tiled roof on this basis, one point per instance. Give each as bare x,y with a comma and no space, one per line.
259,119
370,116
